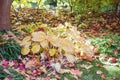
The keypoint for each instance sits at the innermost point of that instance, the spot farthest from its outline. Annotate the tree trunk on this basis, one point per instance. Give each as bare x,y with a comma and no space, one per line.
116,4
5,14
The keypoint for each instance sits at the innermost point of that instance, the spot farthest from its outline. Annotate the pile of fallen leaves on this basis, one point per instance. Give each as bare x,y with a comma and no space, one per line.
48,51
64,39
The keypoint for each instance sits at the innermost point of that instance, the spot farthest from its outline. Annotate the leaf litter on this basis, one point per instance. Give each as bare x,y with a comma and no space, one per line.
52,51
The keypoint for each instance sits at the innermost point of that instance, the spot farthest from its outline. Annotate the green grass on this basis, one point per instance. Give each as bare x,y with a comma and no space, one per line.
91,72
10,50
15,75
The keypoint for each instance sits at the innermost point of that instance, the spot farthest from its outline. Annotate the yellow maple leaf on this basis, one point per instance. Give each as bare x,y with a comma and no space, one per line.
35,48
25,51
52,52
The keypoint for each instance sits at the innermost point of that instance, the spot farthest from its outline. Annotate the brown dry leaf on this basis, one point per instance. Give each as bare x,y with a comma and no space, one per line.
71,58
29,72
76,72
87,57
30,63
14,37
2,43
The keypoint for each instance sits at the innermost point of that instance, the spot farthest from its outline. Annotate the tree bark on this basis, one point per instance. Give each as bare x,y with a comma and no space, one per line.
116,4
5,6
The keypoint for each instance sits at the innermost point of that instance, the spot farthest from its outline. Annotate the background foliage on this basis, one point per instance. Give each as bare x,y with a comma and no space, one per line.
73,5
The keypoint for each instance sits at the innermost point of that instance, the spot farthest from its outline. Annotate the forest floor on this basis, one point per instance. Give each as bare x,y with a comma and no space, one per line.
95,38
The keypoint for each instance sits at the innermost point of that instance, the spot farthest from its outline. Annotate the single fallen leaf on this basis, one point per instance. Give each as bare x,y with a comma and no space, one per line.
76,72
26,44
113,59
30,63
62,71
103,76
67,46
4,63
54,40
26,39
52,52
22,66
86,66
38,36
11,63
71,65
57,67
29,71
35,48
99,72
42,56
6,71
71,58
25,51
44,44
87,57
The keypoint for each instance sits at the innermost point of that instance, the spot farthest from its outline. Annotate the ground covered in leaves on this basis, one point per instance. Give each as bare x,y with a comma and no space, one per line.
52,45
